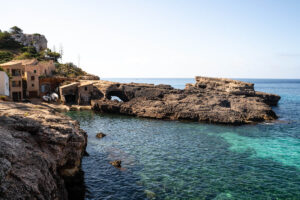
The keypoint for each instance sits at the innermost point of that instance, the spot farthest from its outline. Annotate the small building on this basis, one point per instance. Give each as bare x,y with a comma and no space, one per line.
25,77
69,93
15,69
85,91
81,93
4,84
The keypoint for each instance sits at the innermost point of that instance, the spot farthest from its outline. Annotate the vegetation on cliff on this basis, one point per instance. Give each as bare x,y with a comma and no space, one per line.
10,49
68,70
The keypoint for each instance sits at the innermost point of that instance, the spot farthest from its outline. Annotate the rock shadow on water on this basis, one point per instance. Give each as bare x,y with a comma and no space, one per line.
75,186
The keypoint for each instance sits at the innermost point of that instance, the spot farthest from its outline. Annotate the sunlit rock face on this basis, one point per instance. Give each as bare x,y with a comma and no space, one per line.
40,150
38,41
213,100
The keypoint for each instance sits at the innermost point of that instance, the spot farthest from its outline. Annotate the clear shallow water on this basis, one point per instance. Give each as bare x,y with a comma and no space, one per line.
187,160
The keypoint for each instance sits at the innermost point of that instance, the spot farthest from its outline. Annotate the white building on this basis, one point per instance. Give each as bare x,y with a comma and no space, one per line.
4,84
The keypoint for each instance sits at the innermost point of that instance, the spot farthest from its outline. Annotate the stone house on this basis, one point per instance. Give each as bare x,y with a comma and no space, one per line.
4,84
81,92
85,91
69,93
25,77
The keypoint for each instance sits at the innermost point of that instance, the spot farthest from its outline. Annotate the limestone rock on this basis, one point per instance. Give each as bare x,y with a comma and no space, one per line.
100,135
212,100
40,152
39,42
116,163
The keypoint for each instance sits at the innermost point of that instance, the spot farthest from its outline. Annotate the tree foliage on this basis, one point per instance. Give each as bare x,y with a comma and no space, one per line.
5,56
52,55
15,30
7,42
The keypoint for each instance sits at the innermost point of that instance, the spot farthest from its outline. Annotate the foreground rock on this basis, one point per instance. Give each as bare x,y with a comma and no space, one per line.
211,100
40,153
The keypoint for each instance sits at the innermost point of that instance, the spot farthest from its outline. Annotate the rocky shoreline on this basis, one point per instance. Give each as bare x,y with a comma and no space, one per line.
212,100
41,149
40,153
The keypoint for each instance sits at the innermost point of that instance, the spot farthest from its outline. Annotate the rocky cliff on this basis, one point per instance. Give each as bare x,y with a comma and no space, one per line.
211,100
38,41
40,150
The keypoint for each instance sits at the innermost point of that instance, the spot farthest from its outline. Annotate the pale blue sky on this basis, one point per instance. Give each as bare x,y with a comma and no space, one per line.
168,38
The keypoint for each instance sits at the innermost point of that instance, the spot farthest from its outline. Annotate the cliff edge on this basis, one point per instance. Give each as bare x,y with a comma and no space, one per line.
40,150
214,100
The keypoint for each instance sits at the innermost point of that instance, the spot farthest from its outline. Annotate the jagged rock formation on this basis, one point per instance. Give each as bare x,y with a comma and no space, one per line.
40,150
38,41
209,99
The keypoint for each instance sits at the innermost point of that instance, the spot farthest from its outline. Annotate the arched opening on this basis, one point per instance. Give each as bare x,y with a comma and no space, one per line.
117,95
115,98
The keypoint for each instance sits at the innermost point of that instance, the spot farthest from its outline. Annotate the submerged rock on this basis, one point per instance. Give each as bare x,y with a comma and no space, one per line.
213,100
40,152
150,194
116,163
100,135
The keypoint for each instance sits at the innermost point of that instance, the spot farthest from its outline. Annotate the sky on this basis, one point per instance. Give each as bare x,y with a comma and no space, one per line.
167,38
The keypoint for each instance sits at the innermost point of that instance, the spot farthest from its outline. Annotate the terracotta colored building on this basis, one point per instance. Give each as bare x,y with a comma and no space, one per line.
25,74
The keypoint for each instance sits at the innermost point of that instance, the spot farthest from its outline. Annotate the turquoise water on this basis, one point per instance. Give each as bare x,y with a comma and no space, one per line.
188,160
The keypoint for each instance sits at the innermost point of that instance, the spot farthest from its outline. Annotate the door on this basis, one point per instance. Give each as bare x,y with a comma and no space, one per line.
16,96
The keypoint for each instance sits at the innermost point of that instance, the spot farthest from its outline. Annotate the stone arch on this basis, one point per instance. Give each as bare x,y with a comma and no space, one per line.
118,93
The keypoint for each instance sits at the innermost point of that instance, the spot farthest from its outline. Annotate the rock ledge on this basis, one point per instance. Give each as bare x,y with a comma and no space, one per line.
39,150
213,100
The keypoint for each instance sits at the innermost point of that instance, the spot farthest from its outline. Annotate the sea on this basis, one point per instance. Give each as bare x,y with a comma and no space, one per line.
189,160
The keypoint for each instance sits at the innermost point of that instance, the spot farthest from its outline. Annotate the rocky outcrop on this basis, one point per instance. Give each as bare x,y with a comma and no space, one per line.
211,100
100,135
38,41
40,152
116,163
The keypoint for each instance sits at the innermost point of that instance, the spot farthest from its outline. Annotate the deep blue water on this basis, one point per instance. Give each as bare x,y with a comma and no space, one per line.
189,160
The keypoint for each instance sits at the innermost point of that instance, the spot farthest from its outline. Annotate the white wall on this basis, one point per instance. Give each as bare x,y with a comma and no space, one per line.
4,84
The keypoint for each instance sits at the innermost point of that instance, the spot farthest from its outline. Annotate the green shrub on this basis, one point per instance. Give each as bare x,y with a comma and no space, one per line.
68,70
25,55
52,55
5,56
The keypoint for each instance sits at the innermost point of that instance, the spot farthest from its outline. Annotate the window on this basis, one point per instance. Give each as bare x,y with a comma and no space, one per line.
32,85
7,70
34,71
32,78
16,72
16,83
45,71
85,88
